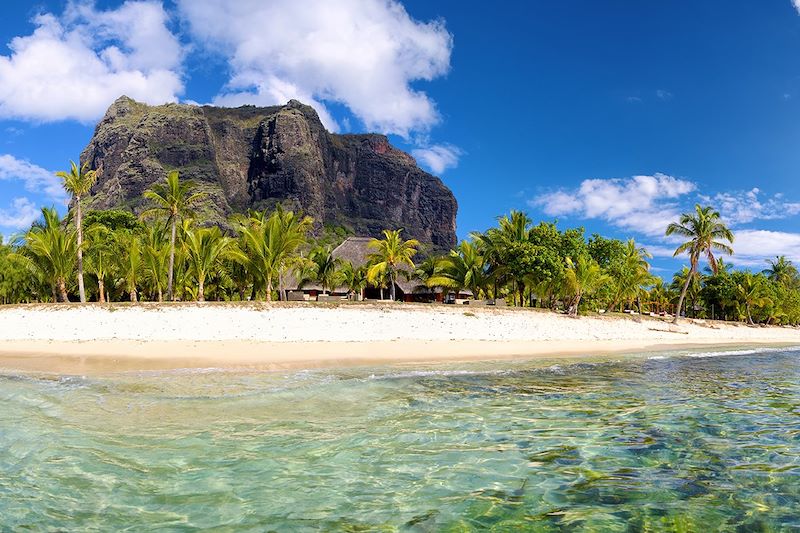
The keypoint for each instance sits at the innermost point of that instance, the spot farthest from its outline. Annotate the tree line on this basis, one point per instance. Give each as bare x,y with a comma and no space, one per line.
166,255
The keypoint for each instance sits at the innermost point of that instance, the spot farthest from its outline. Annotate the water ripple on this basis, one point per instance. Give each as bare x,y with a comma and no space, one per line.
675,442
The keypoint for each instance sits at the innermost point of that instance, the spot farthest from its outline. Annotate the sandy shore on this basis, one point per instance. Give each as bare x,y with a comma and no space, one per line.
99,339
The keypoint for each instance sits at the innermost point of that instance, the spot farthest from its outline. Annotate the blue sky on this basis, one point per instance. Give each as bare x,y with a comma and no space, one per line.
613,115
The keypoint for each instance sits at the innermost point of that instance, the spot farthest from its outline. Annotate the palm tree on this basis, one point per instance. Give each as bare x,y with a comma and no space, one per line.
659,295
782,271
706,233
271,244
632,274
752,292
155,257
583,277
464,267
355,279
296,228
78,182
390,253
206,247
695,282
130,261
50,248
513,230
174,199
100,256
325,268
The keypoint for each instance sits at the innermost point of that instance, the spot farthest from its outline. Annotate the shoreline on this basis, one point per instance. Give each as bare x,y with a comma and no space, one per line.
98,339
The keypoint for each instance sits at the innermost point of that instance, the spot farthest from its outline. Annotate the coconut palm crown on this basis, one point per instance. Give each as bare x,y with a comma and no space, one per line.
389,255
78,181
781,270
706,234
175,199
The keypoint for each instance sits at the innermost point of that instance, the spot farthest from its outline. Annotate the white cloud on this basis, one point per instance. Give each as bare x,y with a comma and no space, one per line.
76,65
364,54
663,94
34,178
741,207
796,4
645,204
753,246
660,250
438,157
20,215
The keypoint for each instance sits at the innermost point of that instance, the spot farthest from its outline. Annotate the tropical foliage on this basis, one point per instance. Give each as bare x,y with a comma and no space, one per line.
166,254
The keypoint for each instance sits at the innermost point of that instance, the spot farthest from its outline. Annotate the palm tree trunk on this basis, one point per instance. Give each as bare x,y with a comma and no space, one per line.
573,309
683,295
201,293
749,315
382,294
78,223
62,290
171,259
101,288
160,293
281,294
133,295
269,288
391,286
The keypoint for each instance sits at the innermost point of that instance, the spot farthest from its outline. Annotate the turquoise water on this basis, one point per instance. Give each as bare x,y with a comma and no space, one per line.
671,443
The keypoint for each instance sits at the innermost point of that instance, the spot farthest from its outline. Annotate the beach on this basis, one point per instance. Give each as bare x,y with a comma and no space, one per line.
75,339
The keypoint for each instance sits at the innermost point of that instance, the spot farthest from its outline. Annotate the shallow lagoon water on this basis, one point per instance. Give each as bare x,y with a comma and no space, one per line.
671,442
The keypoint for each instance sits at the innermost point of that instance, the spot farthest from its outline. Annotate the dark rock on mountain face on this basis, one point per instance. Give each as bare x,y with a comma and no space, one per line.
256,157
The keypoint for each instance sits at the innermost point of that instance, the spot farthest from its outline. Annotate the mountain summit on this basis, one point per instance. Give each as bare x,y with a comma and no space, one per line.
257,157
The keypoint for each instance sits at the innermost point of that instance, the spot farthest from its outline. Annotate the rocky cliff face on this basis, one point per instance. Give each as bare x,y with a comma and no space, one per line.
252,157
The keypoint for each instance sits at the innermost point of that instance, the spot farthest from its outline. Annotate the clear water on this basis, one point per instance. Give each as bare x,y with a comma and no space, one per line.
672,443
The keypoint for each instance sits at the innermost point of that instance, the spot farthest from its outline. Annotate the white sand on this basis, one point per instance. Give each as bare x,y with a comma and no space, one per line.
63,337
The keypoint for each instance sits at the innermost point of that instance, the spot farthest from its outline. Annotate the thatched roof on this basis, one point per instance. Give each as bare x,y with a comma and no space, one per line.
354,250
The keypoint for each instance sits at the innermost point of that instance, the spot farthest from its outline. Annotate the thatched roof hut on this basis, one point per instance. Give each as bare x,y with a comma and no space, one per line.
354,250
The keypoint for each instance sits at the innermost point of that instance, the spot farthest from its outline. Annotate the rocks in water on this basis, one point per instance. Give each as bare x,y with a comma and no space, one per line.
256,157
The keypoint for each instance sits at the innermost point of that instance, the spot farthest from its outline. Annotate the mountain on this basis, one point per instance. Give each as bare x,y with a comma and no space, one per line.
256,157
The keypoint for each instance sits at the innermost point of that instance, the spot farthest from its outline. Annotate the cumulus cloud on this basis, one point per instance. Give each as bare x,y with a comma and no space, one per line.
645,204
75,65
439,157
796,4
754,246
20,215
363,54
741,207
34,178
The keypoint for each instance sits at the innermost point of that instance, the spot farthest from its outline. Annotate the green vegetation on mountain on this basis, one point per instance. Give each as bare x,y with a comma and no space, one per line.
257,158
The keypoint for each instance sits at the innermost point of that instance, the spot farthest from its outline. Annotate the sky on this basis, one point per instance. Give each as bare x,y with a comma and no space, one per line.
616,116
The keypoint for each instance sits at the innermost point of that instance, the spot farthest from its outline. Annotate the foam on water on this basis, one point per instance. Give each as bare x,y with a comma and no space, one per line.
745,351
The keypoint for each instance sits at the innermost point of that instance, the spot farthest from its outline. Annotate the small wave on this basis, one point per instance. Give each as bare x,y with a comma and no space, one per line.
555,369
435,373
745,351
